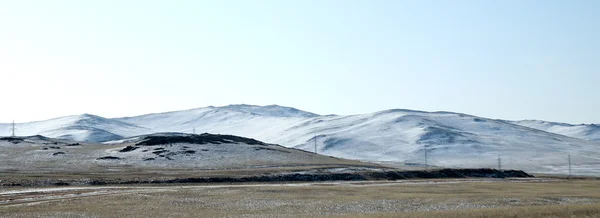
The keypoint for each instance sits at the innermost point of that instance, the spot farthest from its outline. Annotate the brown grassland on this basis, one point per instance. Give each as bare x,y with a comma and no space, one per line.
409,198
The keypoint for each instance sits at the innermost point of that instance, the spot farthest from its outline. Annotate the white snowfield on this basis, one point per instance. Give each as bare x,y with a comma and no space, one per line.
451,139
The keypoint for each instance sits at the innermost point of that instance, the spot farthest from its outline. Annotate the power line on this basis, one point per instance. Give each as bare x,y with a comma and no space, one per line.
569,165
499,163
13,129
315,143
426,165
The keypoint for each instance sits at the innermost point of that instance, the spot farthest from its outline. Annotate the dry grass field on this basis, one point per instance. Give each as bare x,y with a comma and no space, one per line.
407,198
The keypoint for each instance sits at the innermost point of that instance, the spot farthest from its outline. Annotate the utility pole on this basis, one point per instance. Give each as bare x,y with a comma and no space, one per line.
499,163
13,129
569,165
426,166
194,131
315,143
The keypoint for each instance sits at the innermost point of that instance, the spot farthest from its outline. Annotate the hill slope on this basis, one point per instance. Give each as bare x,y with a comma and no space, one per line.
451,139
155,152
85,127
589,132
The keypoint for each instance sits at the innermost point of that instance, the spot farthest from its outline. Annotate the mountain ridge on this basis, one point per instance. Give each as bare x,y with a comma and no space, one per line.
398,135
82,127
90,120
589,132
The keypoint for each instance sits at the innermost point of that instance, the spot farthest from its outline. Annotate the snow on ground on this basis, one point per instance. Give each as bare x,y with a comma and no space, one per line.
451,139
210,152
85,127
589,132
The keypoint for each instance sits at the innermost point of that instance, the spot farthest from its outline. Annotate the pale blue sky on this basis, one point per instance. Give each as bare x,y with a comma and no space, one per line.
499,59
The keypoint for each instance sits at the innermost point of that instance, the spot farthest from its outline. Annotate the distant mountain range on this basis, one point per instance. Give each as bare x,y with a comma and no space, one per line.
452,139
589,132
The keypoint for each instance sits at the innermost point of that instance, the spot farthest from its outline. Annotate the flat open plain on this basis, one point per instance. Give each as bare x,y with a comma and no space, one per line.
528,197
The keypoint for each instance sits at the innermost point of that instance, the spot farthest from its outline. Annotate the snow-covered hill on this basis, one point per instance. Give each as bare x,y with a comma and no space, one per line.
451,139
85,127
156,152
589,132
264,123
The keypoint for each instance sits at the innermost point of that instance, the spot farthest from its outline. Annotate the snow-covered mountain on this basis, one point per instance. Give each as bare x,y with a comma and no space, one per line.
265,123
589,132
85,127
451,139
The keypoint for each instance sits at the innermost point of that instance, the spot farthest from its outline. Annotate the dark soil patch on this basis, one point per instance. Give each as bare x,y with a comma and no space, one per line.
160,152
108,158
388,175
148,159
58,153
52,147
449,173
302,177
270,149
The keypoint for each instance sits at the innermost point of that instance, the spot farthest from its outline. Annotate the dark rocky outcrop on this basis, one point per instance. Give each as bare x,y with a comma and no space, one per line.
204,138
51,147
14,140
128,149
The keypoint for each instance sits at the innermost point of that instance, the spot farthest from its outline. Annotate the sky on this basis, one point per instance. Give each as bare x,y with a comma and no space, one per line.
512,59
